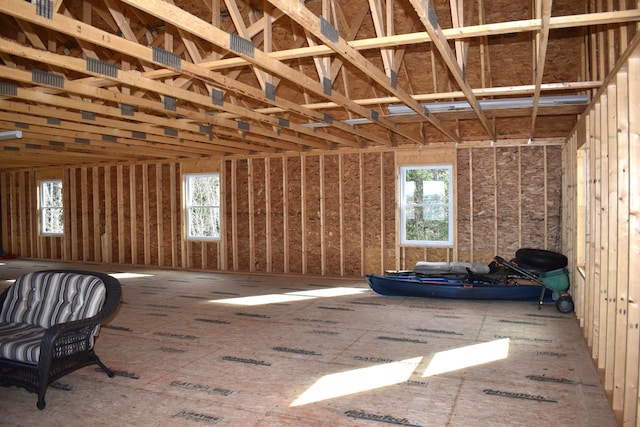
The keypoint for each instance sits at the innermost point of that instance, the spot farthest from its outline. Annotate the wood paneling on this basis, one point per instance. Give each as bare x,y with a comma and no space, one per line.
605,281
320,214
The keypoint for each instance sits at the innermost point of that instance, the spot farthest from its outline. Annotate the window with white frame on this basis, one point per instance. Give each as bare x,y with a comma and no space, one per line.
426,211
51,210
203,206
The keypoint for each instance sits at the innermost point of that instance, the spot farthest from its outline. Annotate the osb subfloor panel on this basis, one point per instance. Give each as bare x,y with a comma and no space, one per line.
306,356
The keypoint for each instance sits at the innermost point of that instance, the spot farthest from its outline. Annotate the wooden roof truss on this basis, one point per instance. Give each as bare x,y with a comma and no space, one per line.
176,79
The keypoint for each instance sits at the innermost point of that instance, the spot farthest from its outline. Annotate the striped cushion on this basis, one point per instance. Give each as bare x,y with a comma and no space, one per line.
44,299
21,342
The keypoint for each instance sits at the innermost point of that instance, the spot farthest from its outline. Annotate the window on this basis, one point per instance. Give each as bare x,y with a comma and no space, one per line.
51,219
426,211
203,206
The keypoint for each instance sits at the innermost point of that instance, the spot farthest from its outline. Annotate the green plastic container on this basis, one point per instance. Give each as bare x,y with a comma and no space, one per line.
556,280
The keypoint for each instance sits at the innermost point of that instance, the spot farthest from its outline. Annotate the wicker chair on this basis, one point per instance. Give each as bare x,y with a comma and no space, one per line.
48,323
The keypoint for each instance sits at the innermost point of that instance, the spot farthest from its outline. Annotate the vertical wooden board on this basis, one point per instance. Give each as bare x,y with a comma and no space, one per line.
483,192
177,213
313,231
532,195
331,231
139,206
508,194
294,214
110,221
165,215
228,195
23,219
351,218
632,363
390,229
4,213
463,202
603,223
125,215
98,211
243,237
91,214
612,235
259,215
554,198
77,218
10,215
86,212
595,267
153,200
156,217
593,189
277,213
29,212
71,201
24,195
373,213
621,245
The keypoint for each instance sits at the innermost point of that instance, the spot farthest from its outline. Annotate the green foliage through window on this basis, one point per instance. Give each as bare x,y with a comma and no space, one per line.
426,210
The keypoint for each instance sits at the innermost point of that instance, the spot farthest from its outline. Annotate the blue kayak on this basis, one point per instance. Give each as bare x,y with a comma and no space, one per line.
415,285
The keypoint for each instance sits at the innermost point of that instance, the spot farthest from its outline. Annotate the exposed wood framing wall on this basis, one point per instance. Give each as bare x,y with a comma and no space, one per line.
602,231
329,214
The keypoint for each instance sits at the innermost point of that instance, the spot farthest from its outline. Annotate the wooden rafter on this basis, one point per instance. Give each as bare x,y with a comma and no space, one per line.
541,54
309,21
426,13
341,104
483,30
187,22
97,36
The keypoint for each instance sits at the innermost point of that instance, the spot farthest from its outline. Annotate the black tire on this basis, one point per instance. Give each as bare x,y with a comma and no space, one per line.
564,304
540,260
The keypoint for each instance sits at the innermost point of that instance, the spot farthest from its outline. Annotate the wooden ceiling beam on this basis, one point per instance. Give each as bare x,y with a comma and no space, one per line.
107,96
135,80
379,16
474,31
541,54
80,30
241,29
340,46
486,78
65,138
480,92
188,22
427,16
194,143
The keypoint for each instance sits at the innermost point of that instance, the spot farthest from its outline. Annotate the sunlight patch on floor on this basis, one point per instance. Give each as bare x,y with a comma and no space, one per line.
358,380
466,357
129,275
387,374
261,299
291,296
330,292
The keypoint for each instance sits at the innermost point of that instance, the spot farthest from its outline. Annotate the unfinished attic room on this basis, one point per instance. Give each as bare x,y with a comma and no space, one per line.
319,213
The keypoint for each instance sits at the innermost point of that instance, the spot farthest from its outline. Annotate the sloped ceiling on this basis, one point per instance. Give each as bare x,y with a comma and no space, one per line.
151,80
